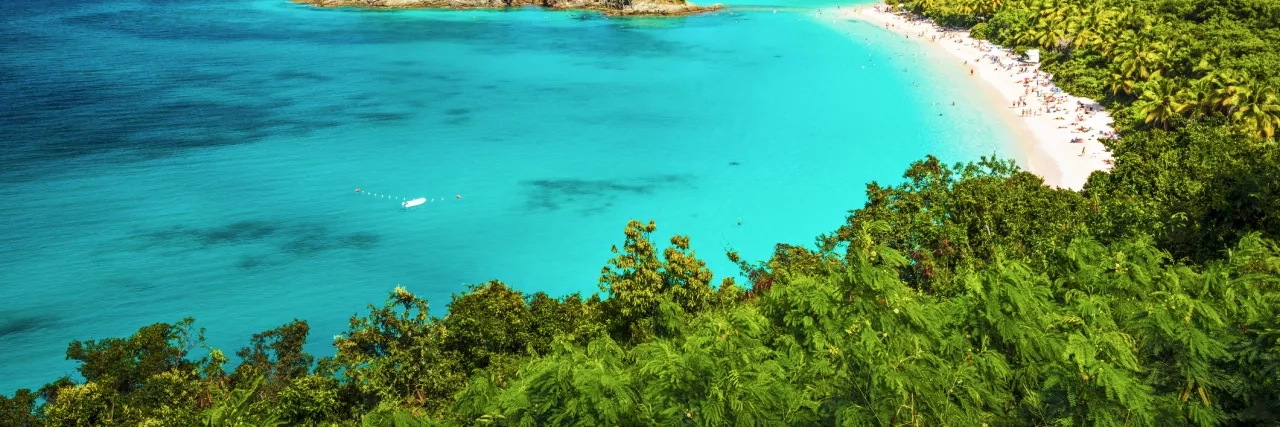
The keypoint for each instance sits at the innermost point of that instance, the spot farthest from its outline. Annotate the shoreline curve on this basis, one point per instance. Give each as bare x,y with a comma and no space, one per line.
1048,136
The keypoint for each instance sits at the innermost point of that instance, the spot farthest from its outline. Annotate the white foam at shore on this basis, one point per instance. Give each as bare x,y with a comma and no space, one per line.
1052,133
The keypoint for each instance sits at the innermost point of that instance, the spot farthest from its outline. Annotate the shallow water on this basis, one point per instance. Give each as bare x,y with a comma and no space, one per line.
173,158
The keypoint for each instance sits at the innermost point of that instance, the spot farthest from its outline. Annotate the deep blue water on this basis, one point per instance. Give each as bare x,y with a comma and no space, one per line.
173,158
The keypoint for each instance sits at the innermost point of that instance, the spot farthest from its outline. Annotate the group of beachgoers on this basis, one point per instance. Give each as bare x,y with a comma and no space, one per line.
1039,98
1049,99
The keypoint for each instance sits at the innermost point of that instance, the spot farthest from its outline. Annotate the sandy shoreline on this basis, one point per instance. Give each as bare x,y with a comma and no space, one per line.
1050,151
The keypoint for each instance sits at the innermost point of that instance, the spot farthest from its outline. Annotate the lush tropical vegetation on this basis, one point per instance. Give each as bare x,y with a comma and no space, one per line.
965,295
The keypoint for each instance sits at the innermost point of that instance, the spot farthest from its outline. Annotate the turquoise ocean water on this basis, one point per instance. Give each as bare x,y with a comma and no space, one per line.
173,158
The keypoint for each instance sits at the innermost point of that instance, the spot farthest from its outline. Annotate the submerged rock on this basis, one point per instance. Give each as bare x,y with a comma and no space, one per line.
609,7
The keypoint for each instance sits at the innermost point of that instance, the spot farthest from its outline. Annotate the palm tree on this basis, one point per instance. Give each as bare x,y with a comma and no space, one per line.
1139,57
1067,17
1118,83
1053,23
1051,36
919,6
1160,102
985,8
1257,110
1208,63
1038,8
1134,18
1107,39
1199,97
1228,87
1113,44
1092,24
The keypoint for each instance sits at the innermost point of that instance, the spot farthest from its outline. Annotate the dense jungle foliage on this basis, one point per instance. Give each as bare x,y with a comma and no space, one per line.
966,295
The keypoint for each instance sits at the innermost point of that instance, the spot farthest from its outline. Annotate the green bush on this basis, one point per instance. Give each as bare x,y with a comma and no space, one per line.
981,31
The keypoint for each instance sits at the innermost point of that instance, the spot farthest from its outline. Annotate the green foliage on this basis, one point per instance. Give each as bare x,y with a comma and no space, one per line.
571,316
573,386
277,356
144,379
1197,190
123,365
720,372
1081,73
397,354
638,284
86,404
1150,288
1017,326
981,31
19,410
949,221
237,409
309,400
489,319
391,416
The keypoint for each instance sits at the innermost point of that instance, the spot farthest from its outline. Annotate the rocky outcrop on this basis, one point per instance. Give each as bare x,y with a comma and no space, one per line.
609,7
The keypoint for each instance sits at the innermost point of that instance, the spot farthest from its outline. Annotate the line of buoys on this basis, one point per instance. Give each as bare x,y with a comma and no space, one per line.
362,192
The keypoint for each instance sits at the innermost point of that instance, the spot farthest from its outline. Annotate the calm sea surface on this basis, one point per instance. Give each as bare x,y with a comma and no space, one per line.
173,158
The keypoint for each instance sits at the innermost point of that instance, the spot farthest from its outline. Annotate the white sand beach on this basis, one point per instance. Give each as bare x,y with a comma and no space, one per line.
1064,129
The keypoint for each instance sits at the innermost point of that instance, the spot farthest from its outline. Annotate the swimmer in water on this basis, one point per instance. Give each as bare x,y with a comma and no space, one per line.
357,189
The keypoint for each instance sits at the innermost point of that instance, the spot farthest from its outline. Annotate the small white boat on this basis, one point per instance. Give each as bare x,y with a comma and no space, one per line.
414,202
